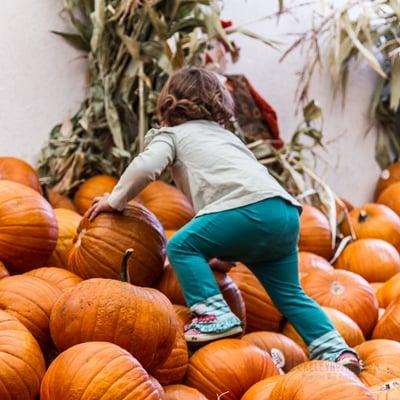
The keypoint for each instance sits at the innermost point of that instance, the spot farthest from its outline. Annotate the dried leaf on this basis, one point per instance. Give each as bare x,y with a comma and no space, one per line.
74,40
395,84
98,21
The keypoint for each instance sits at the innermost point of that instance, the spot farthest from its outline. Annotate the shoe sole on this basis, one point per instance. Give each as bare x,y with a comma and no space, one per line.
208,337
354,367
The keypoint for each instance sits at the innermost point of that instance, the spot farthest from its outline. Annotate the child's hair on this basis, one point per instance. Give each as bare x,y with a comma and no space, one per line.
194,93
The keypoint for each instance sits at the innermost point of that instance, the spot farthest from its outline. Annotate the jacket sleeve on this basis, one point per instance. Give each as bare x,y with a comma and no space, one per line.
144,168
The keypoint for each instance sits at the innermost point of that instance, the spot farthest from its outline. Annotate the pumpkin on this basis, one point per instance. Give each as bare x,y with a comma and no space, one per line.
169,233
183,314
228,366
390,197
59,201
68,222
309,262
93,187
168,204
388,326
28,227
381,361
374,259
261,313
170,286
22,362
97,370
100,245
31,300
174,368
347,292
376,286
387,391
16,170
387,177
263,389
389,292
374,221
140,320
284,351
315,233
59,277
3,271
348,329
182,392
317,380
158,388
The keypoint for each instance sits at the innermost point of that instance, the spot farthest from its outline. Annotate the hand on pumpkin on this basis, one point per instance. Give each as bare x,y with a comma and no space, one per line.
100,204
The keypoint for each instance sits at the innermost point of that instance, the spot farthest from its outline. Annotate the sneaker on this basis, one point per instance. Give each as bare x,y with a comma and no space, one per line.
350,361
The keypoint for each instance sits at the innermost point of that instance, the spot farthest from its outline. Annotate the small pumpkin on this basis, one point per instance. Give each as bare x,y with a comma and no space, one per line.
59,277
283,350
388,326
315,233
3,271
228,366
374,221
389,292
22,362
374,259
261,313
168,204
263,389
309,262
387,391
390,197
68,222
93,187
388,176
347,292
182,392
97,370
59,201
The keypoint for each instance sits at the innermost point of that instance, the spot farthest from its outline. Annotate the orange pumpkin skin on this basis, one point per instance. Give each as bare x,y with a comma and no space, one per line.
315,233
68,222
91,188
59,201
389,292
388,326
97,370
3,271
381,361
22,362
168,204
309,262
374,259
116,312
183,314
170,286
387,391
59,277
374,221
228,365
347,292
387,177
279,347
263,389
30,299
390,197
349,330
376,286
28,227
16,170
261,313
317,380
182,392
100,245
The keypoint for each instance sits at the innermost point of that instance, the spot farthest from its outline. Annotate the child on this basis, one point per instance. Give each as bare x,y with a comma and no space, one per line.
243,214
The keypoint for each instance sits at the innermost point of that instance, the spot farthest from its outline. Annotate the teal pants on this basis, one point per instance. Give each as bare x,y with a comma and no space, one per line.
264,236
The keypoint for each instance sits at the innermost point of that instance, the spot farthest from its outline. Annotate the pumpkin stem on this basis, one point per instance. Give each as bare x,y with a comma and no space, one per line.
124,276
362,217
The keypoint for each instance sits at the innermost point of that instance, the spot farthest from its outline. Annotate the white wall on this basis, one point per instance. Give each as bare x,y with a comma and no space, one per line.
41,80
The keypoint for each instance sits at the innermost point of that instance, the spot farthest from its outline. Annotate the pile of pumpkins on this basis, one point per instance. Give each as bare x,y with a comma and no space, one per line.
84,318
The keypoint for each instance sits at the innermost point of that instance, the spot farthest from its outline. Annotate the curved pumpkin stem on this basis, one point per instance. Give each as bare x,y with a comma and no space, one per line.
124,276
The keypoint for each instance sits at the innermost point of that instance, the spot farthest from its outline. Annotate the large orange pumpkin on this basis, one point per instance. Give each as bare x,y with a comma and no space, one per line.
374,259
261,313
387,391
28,227
68,222
315,233
169,285
317,380
348,329
22,362
283,350
387,177
309,262
140,320
91,188
169,204
97,370
182,392
31,300
16,170
228,366
59,201
347,292
389,292
381,361
390,197
3,271
59,277
388,326
374,221
263,389
100,245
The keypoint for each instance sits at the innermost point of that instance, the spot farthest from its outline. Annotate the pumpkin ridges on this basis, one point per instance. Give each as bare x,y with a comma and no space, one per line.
388,327
59,277
390,291
182,392
263,388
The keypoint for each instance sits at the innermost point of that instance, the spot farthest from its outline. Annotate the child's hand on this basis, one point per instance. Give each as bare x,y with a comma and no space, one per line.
100,204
